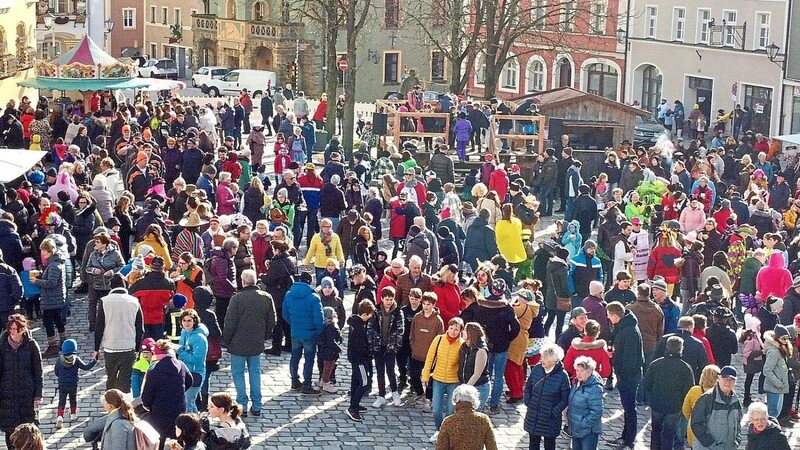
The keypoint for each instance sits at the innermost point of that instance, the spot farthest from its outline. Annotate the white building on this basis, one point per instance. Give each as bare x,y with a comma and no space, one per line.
712,53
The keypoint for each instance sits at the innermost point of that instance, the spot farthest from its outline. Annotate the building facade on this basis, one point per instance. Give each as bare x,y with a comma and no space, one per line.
168,32
17,48
712,54
127,37
69,25
577,49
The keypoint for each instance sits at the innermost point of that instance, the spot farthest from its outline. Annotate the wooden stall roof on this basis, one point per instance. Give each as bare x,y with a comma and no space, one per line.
565,96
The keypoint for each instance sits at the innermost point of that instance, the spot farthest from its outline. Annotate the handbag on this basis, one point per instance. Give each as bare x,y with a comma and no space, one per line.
197,379
214,350
755,362
562,303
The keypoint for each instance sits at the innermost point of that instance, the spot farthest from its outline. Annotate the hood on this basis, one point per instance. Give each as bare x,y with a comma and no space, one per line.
218,251
574,224
554,261
68,360
762,213
300,290
588,343
355,321
202,297
769,338
200,330
776,260
628,320
493,303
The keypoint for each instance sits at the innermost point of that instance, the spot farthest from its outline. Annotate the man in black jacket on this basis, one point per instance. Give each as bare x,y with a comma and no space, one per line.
584,210
666,382
549,182
694,352
627,360
498,319
359,354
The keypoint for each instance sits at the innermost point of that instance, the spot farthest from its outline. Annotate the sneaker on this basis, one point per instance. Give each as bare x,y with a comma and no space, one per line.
354,415
297,385
396,398
380,401
362,409
493,410
427,407
255,413
566,433
326,387
59,422
434,437
310,391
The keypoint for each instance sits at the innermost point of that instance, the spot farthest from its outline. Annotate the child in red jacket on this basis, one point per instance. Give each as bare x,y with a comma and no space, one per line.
282,161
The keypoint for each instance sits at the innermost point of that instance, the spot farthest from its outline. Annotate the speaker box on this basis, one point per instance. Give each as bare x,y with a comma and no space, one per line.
379,123
555,129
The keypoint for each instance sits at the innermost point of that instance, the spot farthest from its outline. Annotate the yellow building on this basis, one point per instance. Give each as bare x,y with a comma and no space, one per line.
17,48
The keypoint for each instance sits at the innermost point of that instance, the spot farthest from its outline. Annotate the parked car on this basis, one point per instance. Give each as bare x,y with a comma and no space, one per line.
646,131
204,74
159,68
234,81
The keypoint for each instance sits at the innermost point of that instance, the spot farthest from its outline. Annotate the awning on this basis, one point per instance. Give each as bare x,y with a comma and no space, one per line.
790,138
83,85
14,163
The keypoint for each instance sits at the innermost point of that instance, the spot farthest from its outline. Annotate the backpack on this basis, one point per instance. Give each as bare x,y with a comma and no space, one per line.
486,172
207,271
147,438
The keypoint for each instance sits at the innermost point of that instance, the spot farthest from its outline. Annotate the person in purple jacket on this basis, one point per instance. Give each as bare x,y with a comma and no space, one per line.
463,133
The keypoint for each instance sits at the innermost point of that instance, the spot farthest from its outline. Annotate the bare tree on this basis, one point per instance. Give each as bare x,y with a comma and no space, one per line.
356,13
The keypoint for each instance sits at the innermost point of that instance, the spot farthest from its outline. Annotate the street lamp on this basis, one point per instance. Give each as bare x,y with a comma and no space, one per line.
108,26
620,35
48,23
772,51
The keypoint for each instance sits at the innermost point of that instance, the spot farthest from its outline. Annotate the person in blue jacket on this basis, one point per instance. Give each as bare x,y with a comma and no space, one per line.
546,396
302,309
586,405
192,350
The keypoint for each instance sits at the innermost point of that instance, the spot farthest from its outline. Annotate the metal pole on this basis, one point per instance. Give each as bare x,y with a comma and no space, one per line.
625,61
53,40
782,87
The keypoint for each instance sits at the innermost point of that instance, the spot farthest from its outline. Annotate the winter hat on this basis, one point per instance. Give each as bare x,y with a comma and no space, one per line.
328,313
158,351
595,288
179,301
326,282
210,170
157,264
445,214
28,264
525,294
148,344
589,244
305,277
335,180
138,263
69,347
781,331
443,232
659,283
774,303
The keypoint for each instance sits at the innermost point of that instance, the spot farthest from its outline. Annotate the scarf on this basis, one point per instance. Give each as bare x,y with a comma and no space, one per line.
326,241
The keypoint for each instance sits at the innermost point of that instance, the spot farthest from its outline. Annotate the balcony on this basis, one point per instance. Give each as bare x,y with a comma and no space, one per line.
242,31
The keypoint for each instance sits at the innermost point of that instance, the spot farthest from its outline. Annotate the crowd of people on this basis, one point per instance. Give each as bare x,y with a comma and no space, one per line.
187,246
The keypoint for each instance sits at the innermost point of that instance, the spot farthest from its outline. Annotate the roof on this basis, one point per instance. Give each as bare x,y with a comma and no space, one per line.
566,95
86,52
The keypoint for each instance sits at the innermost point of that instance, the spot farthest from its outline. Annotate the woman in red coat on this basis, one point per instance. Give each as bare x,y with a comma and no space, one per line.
589,346
397,223
321,112
448,293
662,260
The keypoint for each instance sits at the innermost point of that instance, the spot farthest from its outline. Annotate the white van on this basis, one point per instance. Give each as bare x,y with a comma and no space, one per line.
255,81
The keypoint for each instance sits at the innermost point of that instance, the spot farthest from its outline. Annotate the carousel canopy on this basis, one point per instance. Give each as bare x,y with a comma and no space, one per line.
86,67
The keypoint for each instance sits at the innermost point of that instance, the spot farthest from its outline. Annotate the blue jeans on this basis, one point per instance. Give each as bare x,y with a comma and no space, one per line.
497,367
588,442
442,406
627,396
546,199
568,210
191,399
297,226
307,348
483,394
774,403
254,374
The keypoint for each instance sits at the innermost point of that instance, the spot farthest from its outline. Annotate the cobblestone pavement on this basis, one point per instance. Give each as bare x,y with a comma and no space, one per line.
292,421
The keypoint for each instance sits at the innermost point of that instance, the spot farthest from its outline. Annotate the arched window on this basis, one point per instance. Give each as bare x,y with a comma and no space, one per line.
651,87
602,80
480,70
510,75
230,9
535,76
260,11
564,73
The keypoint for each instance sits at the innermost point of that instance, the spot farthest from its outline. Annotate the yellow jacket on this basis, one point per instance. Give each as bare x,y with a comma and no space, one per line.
509,240
158,249
688,405
317,251
790,219
446,356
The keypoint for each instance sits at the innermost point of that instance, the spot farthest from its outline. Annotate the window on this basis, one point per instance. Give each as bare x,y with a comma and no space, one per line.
48,51
258,11
177,16
59,6
538,11
602,80
564,72
164,13
391,13
703,27
535,76
762,30
650,22
599,16
480,70
651,88
729,21
510,76
567,16
152,14
678,24
437,65
128,18
154,50
391,67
